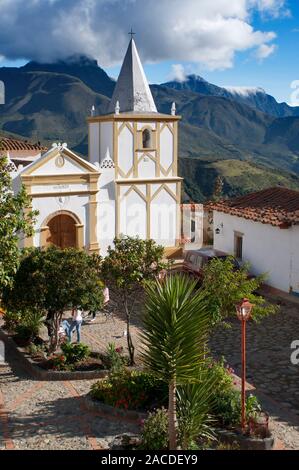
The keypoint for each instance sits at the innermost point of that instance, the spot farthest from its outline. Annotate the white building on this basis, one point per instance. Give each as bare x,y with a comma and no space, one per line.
263,229
129,185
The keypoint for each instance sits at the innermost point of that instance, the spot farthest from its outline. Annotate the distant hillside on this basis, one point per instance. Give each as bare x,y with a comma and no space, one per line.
255,97
239,177
50,102
81,67
47,106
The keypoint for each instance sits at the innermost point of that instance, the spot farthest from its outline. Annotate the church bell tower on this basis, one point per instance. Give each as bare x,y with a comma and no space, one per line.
136,149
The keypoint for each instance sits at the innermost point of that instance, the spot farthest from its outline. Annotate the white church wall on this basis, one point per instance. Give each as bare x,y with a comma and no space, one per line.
132,215
106,210
62,188
152,125
166,148
163,217
94,142
267,248
146,167
52,167
106,139
125,150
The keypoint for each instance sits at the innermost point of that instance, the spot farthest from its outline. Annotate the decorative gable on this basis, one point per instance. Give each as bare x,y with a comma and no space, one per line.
59,160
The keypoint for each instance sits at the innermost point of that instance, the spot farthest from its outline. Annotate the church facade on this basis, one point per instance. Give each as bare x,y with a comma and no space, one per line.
130,183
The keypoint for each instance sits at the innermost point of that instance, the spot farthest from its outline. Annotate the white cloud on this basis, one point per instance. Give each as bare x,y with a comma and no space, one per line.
178,73
265,50
207,32
244,91
273,8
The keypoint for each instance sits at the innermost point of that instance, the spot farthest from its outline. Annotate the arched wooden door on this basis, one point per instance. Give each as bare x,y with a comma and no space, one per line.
62,231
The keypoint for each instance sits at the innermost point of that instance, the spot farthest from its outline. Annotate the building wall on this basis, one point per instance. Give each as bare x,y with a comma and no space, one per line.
94,142
106,139
268,249
106,210
55,167
149,211
147,202
295,259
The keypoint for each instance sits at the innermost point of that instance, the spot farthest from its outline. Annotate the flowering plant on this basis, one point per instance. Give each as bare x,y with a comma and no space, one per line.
59,362
130,390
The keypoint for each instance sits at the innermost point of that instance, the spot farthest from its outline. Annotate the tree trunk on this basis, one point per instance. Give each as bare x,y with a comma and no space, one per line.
131,348
172,417
56,323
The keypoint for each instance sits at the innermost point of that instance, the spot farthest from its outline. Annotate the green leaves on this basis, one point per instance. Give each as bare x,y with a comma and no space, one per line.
194,409
131,261
176,326
225,286
129,265
55,280
16,218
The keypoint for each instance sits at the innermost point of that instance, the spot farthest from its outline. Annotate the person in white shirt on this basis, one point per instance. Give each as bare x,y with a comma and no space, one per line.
106,300
76,324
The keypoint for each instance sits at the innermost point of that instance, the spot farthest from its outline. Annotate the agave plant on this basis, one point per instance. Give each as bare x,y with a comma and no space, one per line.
194,405
176,324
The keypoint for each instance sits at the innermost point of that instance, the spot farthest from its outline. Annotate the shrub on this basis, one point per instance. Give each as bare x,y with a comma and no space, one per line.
155,431
130,390
114,358
29,325
226,399
228,407
59,363
11,320
70,356
194,404
75,352
36,350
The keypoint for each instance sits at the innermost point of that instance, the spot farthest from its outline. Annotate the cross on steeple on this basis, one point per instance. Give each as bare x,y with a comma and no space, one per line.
131,33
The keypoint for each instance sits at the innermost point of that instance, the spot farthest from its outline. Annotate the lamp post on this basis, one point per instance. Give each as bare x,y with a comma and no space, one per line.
244,309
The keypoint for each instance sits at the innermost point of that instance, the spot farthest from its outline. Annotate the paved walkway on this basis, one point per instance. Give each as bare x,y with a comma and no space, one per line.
275,380
51,415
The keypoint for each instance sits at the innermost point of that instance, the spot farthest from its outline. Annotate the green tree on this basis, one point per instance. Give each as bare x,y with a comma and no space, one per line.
16,220
176,325
225,286
53,281
129,263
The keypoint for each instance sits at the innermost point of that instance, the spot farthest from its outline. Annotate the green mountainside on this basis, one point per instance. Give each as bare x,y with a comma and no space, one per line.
218,136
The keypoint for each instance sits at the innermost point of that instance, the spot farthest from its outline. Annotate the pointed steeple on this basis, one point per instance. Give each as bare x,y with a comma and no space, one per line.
132,90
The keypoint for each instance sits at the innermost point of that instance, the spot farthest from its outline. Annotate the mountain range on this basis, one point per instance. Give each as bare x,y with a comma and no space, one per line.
243,135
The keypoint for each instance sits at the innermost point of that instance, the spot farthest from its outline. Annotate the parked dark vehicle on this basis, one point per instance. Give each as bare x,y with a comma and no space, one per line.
195,260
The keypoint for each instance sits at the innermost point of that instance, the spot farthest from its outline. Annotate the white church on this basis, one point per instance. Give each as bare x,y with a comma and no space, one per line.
129,185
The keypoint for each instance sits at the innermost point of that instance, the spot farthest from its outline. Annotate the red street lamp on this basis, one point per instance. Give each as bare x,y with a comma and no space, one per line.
244,309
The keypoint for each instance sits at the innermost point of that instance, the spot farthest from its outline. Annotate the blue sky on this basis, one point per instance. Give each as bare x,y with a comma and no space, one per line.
275,74
221,40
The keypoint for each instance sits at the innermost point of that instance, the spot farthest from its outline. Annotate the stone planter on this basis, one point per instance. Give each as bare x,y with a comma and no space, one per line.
98,406
244,442
42,374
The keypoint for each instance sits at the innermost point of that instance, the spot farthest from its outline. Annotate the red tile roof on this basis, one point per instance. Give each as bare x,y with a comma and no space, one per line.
8,143
276,206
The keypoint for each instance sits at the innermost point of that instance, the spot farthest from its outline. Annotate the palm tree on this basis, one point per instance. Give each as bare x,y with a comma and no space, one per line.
176,324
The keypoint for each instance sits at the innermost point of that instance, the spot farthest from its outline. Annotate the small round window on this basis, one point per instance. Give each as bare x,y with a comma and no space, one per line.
146,139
